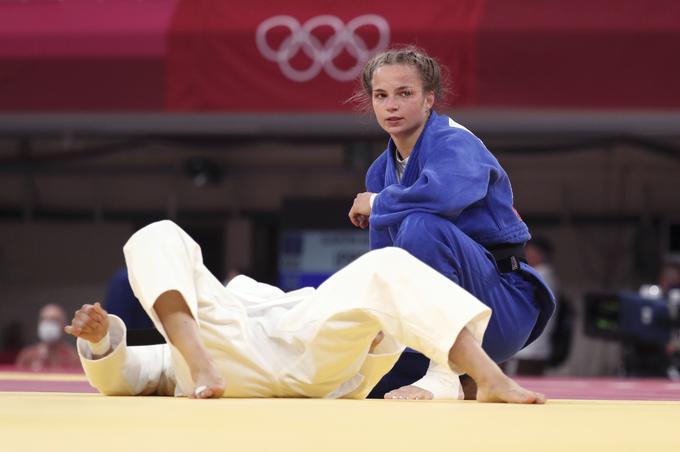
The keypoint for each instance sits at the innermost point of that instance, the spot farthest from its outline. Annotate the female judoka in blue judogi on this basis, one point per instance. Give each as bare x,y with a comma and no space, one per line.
437,192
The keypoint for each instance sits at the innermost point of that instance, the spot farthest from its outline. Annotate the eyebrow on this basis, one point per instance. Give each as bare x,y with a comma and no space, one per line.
397,89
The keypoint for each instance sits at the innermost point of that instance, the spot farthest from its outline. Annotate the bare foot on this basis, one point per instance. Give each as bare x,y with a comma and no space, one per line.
409,392
506,390
209,384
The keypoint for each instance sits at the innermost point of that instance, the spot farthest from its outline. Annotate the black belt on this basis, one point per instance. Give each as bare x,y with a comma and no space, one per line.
508,256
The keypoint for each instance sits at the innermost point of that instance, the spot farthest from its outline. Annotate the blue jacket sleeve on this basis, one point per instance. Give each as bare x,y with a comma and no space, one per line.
379,238
375,181
453,176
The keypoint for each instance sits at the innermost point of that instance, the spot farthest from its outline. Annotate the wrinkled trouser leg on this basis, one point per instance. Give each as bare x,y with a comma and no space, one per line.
162,257
385,290
443,246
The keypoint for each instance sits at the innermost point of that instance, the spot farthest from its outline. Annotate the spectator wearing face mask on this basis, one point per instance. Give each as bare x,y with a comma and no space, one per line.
51,352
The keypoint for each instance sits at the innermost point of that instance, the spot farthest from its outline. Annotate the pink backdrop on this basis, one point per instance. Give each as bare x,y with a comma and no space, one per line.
203,55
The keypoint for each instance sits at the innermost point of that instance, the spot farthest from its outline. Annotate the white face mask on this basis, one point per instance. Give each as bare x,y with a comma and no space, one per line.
49,331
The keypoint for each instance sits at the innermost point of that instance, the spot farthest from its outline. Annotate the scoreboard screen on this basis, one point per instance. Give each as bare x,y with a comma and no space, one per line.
307,257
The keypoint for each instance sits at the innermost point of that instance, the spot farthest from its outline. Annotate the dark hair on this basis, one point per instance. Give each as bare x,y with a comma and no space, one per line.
433,76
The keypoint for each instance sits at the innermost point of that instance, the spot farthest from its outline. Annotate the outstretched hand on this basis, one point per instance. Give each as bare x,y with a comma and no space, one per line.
90,322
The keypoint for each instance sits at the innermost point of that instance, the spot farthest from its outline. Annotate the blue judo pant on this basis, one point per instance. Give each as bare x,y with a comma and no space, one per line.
444,247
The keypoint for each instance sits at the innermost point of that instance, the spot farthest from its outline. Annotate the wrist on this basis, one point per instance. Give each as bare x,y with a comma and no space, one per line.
102,347
371,200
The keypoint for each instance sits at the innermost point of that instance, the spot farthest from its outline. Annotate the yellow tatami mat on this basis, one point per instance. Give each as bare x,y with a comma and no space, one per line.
35,376
74,422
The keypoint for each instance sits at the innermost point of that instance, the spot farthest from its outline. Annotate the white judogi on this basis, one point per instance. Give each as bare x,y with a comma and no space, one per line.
267,343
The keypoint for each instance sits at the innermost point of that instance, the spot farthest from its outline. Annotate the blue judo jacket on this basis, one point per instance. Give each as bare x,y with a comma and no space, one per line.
451,173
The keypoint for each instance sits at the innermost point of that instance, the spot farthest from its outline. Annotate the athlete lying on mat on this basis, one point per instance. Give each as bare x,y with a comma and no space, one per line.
253,340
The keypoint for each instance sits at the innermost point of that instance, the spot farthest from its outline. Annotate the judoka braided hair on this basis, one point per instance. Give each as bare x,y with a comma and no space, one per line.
433,76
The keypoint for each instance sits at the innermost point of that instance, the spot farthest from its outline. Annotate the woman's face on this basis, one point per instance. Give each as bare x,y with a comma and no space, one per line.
400,105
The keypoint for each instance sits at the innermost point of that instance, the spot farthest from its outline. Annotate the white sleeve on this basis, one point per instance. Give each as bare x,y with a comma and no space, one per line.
101,348
371,200
441,382
137,370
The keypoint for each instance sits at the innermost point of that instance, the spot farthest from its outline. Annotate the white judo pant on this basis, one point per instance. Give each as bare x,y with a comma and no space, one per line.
308,343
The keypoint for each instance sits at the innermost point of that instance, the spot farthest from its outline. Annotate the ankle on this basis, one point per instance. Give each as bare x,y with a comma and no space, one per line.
201,363
491,376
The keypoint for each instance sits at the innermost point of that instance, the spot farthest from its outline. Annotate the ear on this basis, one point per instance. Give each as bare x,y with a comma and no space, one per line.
429,100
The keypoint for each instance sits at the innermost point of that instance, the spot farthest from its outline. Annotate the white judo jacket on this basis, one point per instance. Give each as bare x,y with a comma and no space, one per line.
305,343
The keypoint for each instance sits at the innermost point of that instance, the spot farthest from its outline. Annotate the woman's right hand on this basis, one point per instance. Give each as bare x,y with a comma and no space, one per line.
361,210
91,322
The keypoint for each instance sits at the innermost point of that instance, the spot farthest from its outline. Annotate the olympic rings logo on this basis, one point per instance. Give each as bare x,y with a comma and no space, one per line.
322,54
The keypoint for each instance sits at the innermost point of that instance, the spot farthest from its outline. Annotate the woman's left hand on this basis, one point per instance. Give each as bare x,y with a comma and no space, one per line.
361,210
